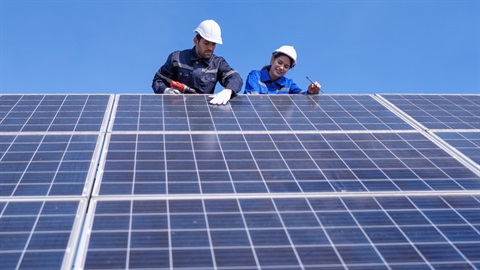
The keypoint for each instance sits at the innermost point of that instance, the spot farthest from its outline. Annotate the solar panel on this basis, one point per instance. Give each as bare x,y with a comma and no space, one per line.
49,149
211,163
440,111
401,232
48,165
264,182
40,234
60,113
253,113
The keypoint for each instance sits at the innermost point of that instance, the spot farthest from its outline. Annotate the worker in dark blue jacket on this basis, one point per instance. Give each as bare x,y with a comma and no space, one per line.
199,68
271,80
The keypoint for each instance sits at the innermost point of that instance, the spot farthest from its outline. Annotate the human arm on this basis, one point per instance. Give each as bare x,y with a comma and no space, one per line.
168,69
312,89
228,78
294,88
252,85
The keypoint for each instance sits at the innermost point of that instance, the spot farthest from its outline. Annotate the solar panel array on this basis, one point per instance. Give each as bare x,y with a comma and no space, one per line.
264,182
49,148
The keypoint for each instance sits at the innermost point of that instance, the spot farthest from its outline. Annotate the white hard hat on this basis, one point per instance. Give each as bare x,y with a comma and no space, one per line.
210,30
288,51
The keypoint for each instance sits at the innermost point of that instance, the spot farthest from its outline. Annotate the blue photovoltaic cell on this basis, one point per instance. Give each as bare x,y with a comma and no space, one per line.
440,111
254,113
466,142
401,232
45,165
59,113
278,163
36,234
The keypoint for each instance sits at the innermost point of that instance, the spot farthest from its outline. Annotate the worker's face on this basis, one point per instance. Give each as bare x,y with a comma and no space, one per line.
280,66
204,48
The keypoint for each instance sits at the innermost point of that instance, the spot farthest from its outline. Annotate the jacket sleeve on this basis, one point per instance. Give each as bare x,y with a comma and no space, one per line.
168,70
294,89
229,78
251,85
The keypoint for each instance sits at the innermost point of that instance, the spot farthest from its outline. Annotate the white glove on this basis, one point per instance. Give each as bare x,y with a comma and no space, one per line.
222,98
171,91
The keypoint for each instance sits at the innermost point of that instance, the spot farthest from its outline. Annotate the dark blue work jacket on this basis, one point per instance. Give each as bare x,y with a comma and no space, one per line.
200,74
259,82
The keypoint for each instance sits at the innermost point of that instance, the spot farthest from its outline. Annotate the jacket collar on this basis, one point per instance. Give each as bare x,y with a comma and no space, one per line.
194,57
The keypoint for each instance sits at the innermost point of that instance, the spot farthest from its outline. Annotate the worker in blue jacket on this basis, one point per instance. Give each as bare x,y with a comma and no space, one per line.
271,80
199,68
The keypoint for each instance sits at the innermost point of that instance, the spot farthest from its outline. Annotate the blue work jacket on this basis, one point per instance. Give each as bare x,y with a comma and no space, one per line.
200,74
259,82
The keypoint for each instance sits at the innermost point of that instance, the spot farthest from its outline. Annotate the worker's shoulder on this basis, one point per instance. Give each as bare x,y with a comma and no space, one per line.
182,56
220,61
254,75
216,57
181,52
254,72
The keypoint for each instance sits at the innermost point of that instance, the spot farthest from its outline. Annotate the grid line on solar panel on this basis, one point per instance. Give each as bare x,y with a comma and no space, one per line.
54,113
467,143
440,111
40,234
253,113
466,154
251,233
276,163
48,165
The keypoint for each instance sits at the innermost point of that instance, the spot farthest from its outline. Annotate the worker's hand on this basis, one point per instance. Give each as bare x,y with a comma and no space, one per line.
171,91
223,97
314,88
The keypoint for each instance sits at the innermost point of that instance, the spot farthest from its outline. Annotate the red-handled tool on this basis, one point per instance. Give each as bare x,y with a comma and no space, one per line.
182,87
178,85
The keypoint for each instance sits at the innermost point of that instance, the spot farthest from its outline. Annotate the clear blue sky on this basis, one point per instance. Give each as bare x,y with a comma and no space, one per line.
350,47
